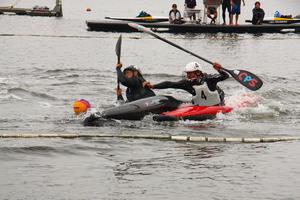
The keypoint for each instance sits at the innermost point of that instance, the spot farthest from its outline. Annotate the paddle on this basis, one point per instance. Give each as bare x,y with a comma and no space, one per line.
247,79
118,53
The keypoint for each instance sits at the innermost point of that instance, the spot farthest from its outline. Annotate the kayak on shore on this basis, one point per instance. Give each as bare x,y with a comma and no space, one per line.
279,20
149,19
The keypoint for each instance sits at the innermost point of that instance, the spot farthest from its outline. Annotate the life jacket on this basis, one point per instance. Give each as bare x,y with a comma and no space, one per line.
205,97
174,15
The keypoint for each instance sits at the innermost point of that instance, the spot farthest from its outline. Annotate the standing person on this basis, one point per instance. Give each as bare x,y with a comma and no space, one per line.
135,83
236,10
226,5
191,4
202,86
174,15
258,14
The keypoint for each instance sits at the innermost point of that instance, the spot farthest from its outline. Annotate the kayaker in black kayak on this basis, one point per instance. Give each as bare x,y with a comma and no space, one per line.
135,83
202,86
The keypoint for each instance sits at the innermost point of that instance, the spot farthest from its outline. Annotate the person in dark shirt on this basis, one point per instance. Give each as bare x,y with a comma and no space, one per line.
191,4
226,5
258,14
202,86
135,83
174,15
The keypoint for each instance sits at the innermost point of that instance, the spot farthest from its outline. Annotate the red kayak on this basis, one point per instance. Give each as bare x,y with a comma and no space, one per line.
192,113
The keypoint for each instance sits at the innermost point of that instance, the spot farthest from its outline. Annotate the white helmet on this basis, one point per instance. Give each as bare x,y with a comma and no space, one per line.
192,66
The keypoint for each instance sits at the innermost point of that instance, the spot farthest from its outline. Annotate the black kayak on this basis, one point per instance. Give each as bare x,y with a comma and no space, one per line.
135,110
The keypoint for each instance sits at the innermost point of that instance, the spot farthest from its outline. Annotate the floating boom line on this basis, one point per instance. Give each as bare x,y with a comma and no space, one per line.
182,138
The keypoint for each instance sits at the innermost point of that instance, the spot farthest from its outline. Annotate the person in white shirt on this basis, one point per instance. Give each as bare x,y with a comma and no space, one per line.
174,15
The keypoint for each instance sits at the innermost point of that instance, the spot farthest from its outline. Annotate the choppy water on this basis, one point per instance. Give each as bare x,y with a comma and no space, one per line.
47,63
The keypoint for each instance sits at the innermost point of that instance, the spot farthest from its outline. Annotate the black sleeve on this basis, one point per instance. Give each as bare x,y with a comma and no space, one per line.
128,82
255,17
222,75
212,80
168,84
262,14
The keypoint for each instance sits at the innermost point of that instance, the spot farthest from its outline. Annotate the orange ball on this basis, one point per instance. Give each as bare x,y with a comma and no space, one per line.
81,106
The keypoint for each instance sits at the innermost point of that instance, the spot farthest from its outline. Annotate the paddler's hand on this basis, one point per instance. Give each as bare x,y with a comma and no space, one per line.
119,65
217,66
146,84
119,91
150,86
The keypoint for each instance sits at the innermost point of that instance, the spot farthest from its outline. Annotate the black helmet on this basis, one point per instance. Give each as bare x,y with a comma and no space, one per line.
130,68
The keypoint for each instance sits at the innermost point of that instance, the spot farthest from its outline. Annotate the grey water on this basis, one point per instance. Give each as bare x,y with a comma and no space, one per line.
48,63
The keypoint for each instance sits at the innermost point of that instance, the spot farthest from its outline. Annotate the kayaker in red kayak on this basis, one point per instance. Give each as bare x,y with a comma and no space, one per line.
202,86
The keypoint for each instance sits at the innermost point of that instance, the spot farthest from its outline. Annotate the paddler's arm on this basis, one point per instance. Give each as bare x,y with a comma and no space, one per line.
168,84
213,79
261,18
119,94
222,74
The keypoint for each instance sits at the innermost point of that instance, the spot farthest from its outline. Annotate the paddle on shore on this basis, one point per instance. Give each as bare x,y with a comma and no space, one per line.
247,79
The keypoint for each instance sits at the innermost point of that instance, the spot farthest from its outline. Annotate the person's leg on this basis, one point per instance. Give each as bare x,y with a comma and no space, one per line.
215,16
238,12
224,13
229,10
209,13
231,14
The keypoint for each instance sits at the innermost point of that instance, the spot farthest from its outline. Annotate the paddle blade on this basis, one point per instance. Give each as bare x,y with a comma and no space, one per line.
118,48
247,79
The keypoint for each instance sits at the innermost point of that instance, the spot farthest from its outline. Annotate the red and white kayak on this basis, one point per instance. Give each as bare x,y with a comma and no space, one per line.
192,113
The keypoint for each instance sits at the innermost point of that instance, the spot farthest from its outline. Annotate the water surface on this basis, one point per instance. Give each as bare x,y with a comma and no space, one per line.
48,63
